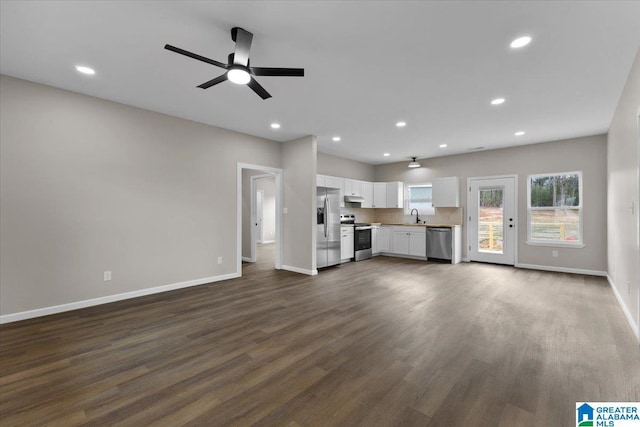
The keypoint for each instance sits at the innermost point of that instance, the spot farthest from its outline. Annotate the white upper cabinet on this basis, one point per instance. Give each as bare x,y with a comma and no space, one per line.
375,194
367,193
336,182
352,187
446,192
395,195
379,195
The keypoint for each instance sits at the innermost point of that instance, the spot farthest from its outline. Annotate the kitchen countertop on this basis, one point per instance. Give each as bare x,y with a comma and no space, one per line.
406,225
425,225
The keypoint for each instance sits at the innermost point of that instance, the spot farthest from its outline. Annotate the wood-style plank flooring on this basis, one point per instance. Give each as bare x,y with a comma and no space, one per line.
382,342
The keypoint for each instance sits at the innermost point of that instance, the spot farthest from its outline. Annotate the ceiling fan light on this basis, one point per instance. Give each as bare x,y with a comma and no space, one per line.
413,163
238,76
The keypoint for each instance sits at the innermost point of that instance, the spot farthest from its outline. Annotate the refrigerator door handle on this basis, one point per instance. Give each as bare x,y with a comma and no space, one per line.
326,215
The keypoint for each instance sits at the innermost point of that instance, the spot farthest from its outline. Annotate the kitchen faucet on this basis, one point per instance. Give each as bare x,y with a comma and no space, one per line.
417,217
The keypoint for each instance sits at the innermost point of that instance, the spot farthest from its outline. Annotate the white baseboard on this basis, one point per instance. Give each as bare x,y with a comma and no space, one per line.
562,269
266,242
248,259
625,310
465,260
45,311
300,270
419,258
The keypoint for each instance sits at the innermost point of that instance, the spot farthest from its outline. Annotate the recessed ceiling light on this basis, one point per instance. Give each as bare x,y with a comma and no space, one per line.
336,139
443,145
85,70
386,154
238,76
520,42
519,133
497,101
275,125
401,124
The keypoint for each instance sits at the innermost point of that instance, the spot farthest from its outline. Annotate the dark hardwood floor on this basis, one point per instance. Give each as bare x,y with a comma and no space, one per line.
383,342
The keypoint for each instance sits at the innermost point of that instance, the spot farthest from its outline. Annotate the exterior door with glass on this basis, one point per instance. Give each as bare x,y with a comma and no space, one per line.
492,221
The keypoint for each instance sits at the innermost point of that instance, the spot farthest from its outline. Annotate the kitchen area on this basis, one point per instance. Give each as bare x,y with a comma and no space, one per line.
358,220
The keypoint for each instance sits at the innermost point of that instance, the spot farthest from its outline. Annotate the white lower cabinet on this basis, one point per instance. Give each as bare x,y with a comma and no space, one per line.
409,241
383,240
346,243
418,244
374,239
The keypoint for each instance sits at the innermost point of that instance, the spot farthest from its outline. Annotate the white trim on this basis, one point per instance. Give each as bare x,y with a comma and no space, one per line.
625,310
562,269
254,212
45,311
558,244
580,208
417,258
300,270
248,259
279,194
637,213
266,242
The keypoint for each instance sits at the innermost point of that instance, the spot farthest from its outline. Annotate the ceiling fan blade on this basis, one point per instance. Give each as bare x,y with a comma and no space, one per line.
286,72
195,56
243,40
253,84
219,79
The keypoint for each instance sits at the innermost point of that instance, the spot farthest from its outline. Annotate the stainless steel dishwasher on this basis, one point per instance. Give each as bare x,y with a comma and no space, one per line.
439,243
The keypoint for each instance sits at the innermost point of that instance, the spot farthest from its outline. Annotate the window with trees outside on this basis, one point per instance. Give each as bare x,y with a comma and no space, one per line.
419,197
555,209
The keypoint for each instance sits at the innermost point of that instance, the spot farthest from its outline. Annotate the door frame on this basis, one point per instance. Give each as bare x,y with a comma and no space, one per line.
278,173
254,214
260,216
515,213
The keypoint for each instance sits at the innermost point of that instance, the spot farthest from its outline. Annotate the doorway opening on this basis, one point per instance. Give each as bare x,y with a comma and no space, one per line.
259,213
492,220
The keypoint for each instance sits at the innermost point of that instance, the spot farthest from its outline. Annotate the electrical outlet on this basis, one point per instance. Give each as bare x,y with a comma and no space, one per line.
107,276
554,253
219,260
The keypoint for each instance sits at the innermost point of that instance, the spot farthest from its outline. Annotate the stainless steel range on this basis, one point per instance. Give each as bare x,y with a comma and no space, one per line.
361,236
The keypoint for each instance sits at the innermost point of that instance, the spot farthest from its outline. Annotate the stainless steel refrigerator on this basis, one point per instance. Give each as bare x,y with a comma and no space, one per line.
328,227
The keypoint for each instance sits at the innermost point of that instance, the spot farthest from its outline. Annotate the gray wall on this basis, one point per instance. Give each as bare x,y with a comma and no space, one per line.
299,163
586,154
89,185
345,168
622,177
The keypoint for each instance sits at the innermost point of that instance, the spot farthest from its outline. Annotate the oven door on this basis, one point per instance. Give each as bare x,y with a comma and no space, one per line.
362,239
362,243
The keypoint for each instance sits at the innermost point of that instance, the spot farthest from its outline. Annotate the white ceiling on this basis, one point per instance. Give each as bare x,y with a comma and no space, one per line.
435,65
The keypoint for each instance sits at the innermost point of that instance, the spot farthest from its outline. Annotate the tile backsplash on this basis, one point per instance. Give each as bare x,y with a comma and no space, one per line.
397,216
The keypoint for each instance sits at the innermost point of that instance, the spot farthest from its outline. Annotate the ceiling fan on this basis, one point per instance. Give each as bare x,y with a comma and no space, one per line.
238,68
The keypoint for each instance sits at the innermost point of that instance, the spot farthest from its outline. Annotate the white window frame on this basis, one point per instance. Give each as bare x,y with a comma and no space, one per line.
580,208
407,205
